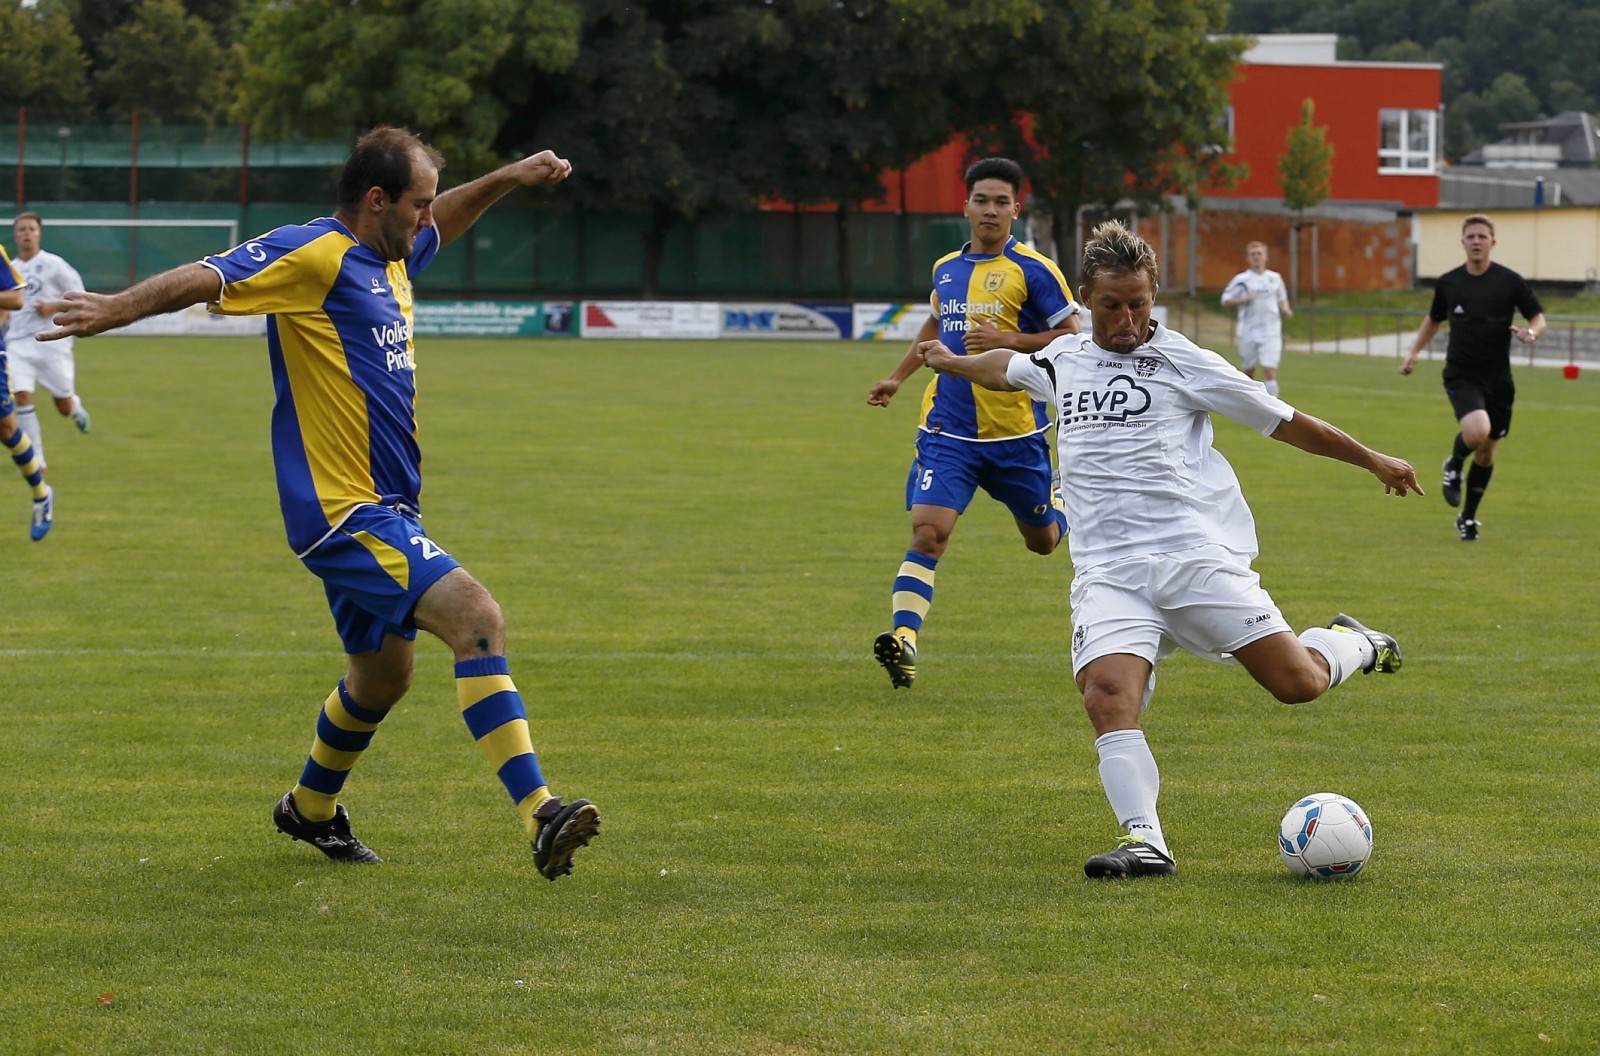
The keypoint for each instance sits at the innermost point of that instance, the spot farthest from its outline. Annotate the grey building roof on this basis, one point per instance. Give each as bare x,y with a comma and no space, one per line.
1567,140
1479,187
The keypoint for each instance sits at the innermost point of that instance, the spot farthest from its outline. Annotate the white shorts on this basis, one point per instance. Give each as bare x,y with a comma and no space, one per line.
1207,601
48,363
1260,351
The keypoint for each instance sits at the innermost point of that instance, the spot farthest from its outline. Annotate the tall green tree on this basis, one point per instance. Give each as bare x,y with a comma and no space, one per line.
1106,101
42,64
1305,173
166,63
844,96
651,113
440,67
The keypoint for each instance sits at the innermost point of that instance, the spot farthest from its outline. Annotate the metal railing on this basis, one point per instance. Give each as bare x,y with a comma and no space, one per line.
1568,339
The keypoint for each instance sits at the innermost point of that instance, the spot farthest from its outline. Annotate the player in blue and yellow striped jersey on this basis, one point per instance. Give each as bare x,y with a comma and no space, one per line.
12,435
994,293
337,293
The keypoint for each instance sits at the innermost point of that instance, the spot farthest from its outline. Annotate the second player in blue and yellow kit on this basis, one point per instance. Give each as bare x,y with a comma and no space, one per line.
12,435
993,292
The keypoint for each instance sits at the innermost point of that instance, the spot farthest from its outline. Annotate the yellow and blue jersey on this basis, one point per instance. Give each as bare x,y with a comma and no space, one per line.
1019,290
344,430
10,279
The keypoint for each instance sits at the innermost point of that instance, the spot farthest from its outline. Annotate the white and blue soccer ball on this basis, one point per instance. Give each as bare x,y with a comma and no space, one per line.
1325,836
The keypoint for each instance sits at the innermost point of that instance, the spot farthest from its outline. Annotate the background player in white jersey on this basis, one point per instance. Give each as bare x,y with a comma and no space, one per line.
1263,303
50,365
1162,539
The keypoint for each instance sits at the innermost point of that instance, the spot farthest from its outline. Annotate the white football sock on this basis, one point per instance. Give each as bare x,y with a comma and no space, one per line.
1272,387
28,418
77,413
1345,652
1132,783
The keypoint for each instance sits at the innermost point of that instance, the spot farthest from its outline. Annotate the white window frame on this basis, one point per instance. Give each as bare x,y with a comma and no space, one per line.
1404,160
1228,138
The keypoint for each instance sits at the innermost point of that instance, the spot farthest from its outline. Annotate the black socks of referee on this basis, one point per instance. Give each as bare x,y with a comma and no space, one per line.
1477,480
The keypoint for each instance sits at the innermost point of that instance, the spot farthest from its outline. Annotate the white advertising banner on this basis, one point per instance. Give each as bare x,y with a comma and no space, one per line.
195,321
882,321
781,319
651,319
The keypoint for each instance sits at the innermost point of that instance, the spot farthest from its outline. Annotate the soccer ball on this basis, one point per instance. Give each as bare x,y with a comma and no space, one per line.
1325,836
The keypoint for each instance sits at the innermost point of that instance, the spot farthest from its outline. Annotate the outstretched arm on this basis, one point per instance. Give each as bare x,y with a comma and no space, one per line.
1312,434
459,208
883,391
1425,334
84,314
984,336
986,368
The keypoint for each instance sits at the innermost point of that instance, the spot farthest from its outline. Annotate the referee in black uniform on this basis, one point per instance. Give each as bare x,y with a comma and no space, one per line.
1479,301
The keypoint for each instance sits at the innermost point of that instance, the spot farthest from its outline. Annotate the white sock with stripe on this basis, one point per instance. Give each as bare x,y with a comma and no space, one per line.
28,418
1132,783
1345,652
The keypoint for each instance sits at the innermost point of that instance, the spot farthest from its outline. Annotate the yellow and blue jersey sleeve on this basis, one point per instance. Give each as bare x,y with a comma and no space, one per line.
1018,290
286,270
10,279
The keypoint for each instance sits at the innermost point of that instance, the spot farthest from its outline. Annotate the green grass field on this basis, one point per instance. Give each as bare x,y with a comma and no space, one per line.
694,545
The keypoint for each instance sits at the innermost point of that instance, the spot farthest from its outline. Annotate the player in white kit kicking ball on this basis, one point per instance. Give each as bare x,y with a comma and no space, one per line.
1162,539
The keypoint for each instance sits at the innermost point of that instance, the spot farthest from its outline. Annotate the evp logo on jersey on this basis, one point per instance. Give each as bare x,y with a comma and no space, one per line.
1121,399
993,281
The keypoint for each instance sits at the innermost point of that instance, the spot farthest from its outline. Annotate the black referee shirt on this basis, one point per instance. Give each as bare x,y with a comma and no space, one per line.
1481,310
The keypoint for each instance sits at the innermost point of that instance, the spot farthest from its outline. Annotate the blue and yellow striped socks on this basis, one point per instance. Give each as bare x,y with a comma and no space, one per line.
344,729
26,457
495,714
913,594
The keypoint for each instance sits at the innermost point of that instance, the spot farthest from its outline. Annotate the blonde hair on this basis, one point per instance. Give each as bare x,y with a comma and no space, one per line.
1252,245
1478,218
1114,250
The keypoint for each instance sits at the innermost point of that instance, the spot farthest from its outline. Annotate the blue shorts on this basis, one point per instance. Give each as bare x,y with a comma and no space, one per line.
375,567
948,472
6,404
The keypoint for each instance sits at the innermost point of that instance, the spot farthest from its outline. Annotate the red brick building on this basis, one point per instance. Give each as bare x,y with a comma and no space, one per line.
1383,120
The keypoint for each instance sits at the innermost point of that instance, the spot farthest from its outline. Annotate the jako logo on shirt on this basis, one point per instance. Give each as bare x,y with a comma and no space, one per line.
393,338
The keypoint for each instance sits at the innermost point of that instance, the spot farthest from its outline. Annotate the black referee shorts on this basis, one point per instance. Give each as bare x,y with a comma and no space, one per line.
1469,394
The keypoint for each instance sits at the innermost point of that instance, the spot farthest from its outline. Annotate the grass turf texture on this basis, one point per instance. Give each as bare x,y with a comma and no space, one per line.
694,545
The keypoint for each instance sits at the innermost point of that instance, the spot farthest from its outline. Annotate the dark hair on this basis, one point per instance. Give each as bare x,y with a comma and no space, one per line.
382,158
996,169
1114,250
30,215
